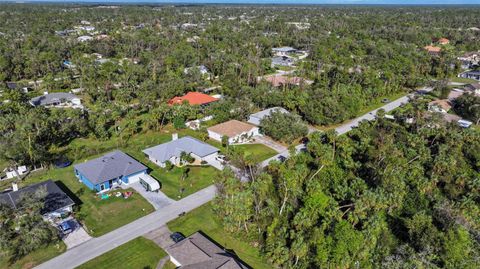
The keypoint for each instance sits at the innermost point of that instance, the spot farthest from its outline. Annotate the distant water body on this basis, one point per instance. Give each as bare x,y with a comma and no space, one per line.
280,2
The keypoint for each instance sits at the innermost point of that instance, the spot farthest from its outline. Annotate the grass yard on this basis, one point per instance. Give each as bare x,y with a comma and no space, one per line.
203,219
35,258
138,253
99,216
259,151
199,177
463,80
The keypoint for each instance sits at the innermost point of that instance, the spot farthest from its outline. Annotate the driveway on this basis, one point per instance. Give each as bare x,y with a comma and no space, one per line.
214,162
97,246
161,237
157,199
267,141
77,237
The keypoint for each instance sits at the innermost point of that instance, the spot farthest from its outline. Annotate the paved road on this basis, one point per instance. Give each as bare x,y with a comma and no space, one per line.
344,128
97,246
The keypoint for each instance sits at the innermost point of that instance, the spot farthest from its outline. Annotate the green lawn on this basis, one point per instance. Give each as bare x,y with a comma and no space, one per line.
198,177
100,216
259,151
35,258
463,80
138,253
203,219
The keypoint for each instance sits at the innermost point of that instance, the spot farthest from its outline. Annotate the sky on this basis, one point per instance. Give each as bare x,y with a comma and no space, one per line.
396,2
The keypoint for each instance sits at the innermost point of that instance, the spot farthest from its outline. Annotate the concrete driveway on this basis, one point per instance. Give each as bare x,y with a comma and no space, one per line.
267,141
77,237
156,199
214,162
161,237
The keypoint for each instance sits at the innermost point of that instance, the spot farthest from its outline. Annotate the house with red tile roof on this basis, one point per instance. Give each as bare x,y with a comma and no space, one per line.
193,98
443,41
433,50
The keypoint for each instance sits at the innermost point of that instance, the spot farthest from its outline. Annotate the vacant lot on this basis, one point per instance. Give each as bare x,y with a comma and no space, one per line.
203,219
183,181
258,151
138,253
35,258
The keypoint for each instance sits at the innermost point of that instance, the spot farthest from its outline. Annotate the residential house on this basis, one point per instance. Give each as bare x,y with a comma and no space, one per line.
283,61
198,251
464,123
236,131
282,80
201,68
300,25
454,94
65,32
172,151
473,87
256,118
469,59
56,203
441,106
284,51
473,74
17,86
84,38
57,99
443,41
110,170
68,64
433,50
193,98
85,28
186,26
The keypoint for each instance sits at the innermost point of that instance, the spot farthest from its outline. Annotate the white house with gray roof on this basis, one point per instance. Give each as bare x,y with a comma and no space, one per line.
112,169
284,51
256,118
57,99
172,151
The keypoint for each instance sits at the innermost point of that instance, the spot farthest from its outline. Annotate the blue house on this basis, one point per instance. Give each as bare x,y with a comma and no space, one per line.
112,169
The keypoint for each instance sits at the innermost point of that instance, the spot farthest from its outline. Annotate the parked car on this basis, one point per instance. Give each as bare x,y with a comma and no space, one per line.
65,227
177,237
62,163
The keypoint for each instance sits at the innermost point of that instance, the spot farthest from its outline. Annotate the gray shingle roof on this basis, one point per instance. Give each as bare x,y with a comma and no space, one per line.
257,117
188,144
284,49
197,251
55,199
282,60
52,98
110,166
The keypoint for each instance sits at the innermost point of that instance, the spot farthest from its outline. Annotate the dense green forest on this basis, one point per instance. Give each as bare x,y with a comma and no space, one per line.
356,55
387,195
